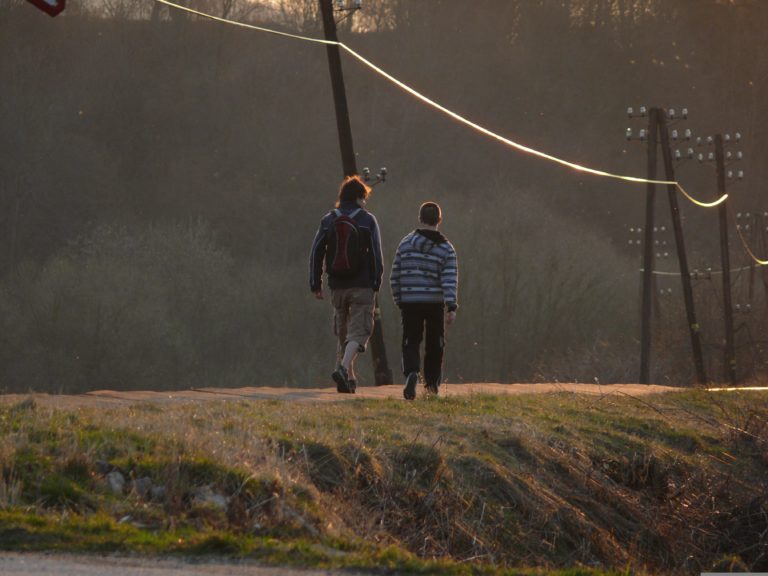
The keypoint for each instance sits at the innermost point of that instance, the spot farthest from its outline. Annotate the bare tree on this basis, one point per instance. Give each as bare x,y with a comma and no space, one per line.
230,9
301,15
122,9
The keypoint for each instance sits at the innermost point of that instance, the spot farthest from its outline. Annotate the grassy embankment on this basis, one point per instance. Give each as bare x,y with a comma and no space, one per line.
470,485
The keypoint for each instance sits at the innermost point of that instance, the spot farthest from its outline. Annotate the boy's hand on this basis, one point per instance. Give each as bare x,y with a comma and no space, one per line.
318,294
450,317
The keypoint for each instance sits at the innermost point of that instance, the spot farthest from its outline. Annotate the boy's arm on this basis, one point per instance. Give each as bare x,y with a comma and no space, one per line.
450,281
316,257
394,278
378,257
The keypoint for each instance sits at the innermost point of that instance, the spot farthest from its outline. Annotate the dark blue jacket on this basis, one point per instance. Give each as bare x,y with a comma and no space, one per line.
370,273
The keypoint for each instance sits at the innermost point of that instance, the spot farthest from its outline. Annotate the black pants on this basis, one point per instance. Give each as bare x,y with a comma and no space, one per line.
418,319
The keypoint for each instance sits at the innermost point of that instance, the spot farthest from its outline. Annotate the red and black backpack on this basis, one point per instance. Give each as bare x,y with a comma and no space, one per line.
346,247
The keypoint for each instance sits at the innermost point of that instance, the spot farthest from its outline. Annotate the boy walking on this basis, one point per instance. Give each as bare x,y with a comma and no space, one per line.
424,282
348,244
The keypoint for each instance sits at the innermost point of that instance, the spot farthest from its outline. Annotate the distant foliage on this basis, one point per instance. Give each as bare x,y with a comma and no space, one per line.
118,309
165,307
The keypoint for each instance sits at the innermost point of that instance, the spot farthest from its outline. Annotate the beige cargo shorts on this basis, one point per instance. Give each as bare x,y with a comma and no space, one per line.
353,316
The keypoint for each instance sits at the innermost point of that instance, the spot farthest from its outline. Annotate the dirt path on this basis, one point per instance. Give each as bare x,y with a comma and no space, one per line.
115,398
12,564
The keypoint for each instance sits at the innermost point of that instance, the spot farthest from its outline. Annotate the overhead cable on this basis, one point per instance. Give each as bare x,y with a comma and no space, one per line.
244,25
696,273
452,114
744,240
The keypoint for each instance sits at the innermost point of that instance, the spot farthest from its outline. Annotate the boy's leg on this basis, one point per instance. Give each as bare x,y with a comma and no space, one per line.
434,346
359,327
348,359
340,322
413,326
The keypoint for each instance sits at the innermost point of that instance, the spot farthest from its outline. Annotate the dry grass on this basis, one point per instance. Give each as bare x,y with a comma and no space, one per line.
672,484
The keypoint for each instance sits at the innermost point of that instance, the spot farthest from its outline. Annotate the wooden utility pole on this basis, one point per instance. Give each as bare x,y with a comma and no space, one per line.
339,91
381,370
647,310
752,268
725,259
763,247
693,325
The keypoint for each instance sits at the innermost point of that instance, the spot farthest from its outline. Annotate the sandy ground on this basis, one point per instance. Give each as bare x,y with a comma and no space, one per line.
116,398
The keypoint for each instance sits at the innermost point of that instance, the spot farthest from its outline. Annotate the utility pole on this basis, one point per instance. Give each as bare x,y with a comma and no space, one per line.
763,247
658,132
647,310
693,325
339,92
725,259
381,370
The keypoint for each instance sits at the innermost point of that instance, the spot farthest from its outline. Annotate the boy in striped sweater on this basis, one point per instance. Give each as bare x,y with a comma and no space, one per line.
424,282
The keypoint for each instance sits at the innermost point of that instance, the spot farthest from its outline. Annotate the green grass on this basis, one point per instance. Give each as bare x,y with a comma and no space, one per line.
458,485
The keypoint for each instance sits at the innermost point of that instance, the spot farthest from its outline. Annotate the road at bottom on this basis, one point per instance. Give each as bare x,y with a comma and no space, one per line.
20,564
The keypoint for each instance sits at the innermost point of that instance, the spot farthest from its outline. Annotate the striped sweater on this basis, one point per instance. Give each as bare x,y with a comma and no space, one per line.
425,270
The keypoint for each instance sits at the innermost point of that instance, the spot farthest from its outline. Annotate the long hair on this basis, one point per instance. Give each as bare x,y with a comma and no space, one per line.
351,189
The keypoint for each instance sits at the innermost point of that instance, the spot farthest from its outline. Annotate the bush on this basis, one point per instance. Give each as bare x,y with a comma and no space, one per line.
118,309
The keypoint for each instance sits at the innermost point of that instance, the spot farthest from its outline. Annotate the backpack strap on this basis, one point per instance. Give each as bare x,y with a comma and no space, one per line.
352,214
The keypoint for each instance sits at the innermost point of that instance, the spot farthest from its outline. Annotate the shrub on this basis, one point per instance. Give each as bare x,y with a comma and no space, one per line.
123,309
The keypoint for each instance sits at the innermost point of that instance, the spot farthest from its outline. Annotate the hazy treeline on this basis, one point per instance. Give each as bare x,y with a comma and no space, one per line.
161,179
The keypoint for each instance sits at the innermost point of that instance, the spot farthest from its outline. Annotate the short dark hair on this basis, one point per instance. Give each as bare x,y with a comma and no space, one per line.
351,189
430,214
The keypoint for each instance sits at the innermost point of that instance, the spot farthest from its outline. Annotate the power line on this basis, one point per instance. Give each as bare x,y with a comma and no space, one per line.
244,25
744,240
695,274
452,114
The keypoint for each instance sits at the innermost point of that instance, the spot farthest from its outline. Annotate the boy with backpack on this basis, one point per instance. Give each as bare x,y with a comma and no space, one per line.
424,282
348,245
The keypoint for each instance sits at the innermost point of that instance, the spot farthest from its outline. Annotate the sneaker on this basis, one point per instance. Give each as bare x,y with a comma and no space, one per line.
352,385
341,378
409,392
432,389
